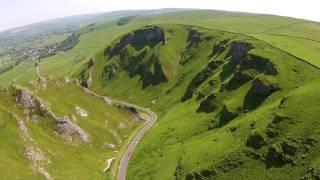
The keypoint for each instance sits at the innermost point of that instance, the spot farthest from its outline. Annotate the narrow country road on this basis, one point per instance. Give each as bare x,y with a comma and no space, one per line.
123,165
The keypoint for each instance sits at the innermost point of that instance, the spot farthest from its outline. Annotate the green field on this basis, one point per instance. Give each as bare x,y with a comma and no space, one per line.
236,95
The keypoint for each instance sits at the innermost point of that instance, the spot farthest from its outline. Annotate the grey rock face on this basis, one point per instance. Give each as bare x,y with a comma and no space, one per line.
88,82
194,37
24,98
261,88
238,50
42,82
31,105
219,47
133,111
255,140
155,34
70,131
124,41
227,115
34,154
260,63
271,68
242,77
150,34
110,71
39,161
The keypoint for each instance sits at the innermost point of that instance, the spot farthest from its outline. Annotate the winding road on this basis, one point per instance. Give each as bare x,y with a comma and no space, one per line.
123,165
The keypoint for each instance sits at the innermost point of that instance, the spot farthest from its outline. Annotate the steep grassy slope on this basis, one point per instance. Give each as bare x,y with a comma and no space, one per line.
285,31
280,32
236,96
75,142
229,105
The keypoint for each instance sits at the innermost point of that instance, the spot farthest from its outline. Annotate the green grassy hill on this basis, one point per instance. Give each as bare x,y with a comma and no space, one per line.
228,103
236,95
38,141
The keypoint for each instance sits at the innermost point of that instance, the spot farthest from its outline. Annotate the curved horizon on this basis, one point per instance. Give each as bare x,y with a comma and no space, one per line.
35,11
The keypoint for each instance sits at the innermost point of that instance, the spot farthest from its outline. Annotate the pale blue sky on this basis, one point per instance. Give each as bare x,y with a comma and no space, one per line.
15,13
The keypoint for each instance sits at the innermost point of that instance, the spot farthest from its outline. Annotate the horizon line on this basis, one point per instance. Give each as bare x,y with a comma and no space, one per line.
115,11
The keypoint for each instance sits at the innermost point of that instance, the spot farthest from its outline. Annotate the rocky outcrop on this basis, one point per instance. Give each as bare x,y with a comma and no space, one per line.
271,68
264,87
23,97
283,102
241,76
39,160
32,106
108,164
255,140
86,75
35,155
263,65
132,110
23,128
81,112
70,131
245,65
279,155
200,78
107,100
42,82
32,152
275,156
261,88
287,151
194,38
277,118
87,83
146,63
150,35
91,63
288,148
153,75
219,48
44,173
227,115
154,33
125,40
239,50
109,145
272,130
109,71
208,105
